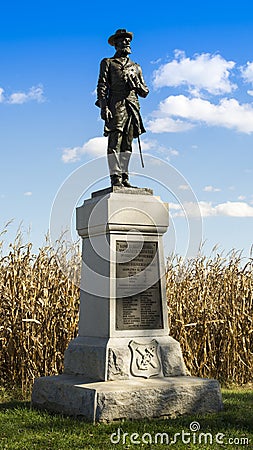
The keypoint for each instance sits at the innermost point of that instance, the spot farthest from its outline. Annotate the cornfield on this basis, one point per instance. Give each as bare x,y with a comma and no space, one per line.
211,314
38,311
210,304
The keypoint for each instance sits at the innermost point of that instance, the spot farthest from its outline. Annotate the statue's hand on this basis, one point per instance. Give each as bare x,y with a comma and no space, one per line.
106,114
133,81
137,85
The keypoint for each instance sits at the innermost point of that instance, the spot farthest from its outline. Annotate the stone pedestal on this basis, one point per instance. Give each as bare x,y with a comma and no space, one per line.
123,360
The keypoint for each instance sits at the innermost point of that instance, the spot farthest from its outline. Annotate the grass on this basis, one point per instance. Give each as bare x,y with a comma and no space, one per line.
22,428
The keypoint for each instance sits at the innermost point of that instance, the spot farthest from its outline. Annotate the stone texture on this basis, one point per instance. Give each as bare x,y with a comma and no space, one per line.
134,370
123,190
86,357
172,358
102,222
118,210
132,399
110,359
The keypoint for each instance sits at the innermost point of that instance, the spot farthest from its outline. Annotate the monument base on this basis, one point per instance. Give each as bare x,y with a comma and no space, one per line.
110,359
132,399
124,364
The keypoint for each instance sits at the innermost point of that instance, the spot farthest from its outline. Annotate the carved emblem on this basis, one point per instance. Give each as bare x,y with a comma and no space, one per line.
145,360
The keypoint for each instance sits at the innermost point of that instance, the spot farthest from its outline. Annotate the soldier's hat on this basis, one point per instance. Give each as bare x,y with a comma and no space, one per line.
122,32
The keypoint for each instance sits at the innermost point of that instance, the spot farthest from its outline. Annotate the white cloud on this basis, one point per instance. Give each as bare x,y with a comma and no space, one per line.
18,98
161,150
152,144
146,145
235,209
247,72
156,61
95,147
204,71
1,95
228,113
156,162
28,193
98,147
188,209
211,189
174,152
168,124
250,92
35,93
70,155
207,209
184,187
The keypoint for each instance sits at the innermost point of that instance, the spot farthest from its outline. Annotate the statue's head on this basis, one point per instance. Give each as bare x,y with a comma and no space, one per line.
121,41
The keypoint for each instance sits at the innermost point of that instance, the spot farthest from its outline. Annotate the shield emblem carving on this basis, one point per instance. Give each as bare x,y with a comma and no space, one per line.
145,360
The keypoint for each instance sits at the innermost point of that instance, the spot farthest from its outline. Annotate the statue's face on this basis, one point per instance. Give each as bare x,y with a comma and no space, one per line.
122,45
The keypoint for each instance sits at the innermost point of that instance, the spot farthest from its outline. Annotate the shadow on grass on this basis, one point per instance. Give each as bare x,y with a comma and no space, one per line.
15,404
238,409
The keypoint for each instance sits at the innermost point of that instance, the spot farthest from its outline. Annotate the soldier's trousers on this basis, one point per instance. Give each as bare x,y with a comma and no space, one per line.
119,151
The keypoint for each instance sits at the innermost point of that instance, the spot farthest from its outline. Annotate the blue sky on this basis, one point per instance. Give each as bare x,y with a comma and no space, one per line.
197,61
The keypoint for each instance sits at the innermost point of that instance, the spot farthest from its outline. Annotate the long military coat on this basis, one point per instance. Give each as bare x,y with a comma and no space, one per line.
114,91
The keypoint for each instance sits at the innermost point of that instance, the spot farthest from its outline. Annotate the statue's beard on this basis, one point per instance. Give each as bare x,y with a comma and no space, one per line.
124,51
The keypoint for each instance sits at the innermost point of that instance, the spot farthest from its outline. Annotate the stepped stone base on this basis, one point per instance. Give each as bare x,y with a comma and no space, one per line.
126,399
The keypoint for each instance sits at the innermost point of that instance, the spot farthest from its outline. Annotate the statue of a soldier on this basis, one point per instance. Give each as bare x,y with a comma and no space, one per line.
119,85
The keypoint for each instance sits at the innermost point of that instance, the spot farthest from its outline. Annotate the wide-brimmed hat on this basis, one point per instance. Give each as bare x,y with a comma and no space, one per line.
119,34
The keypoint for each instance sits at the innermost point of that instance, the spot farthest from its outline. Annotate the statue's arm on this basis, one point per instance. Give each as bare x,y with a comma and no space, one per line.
142,89
103,89
136,81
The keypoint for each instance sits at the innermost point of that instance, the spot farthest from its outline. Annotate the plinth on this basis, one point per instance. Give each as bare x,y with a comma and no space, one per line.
124,364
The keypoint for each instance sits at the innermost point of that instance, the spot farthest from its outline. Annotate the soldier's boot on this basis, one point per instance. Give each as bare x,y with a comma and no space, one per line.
116,180
124,162
114,167
125,180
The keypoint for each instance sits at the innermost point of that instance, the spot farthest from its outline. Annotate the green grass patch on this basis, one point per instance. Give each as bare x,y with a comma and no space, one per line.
22,428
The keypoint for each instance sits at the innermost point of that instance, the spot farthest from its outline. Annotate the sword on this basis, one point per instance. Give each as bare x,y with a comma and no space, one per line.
139,143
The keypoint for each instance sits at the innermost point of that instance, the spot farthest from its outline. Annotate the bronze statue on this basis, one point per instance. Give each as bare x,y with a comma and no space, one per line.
119,85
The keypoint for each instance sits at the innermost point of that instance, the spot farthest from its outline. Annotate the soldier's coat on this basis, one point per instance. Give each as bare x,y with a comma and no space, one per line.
114,91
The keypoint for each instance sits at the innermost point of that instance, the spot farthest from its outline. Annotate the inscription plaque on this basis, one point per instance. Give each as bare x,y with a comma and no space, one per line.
138,288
